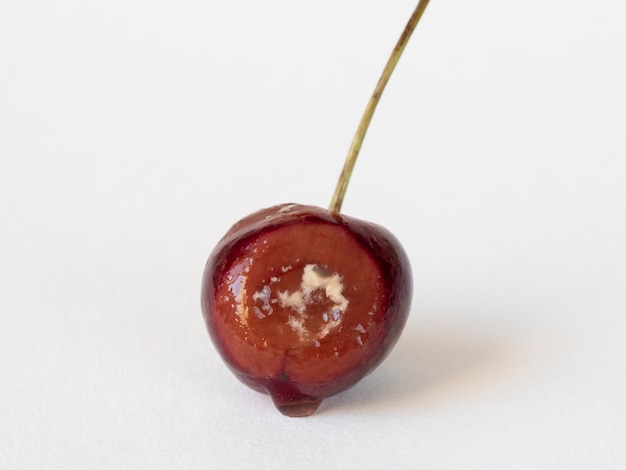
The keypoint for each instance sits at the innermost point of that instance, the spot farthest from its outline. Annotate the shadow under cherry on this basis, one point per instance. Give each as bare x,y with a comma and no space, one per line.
431,365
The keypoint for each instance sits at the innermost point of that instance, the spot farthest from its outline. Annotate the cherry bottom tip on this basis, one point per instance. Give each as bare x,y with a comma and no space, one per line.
299,408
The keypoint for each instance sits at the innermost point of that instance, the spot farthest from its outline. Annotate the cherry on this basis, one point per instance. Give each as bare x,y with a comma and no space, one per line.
302,302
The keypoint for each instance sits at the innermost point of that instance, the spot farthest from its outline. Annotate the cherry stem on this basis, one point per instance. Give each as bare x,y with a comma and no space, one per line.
357,140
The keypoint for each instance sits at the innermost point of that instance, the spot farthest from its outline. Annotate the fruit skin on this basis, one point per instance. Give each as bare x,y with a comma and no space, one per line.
302,303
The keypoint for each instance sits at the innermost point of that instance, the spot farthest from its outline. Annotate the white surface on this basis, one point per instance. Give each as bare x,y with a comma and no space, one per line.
134,133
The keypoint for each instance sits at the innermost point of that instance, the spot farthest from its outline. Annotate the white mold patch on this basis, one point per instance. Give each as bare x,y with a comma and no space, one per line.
264,296
314,280
297,325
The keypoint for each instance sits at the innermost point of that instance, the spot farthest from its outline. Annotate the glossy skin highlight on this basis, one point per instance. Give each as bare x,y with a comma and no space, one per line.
302,303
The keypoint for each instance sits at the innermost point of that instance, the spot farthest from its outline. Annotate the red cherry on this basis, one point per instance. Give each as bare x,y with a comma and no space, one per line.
301,303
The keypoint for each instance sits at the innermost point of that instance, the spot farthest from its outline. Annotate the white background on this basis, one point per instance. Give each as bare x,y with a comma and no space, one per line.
133,133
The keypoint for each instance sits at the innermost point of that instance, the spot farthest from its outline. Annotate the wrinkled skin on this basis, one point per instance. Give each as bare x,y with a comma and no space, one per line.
301,303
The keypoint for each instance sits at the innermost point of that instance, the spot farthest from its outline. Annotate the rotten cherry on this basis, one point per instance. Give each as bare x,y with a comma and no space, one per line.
302,302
